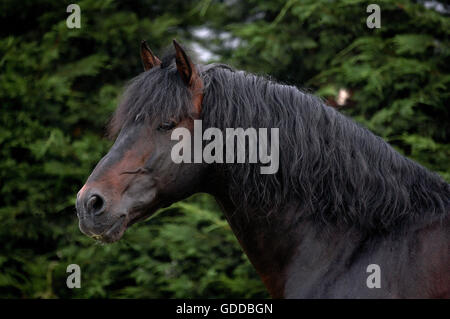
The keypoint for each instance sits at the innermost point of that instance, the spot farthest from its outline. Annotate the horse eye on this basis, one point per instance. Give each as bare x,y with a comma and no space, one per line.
167,126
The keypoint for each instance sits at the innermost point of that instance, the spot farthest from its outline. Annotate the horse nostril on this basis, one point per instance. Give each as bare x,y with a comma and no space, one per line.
95,205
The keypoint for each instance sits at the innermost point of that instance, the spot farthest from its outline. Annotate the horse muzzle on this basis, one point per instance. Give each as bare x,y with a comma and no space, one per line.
95,219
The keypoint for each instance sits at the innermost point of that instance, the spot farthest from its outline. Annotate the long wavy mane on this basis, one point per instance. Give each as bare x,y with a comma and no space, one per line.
336,170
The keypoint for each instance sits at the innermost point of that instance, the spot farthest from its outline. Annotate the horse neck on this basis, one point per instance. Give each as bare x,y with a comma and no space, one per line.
276,244
265,242
298,258
269,242
295,255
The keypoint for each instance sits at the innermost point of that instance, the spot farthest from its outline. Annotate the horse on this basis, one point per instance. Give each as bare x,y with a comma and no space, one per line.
343,201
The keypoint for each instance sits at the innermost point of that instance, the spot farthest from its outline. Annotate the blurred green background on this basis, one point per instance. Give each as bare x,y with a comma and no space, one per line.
59,86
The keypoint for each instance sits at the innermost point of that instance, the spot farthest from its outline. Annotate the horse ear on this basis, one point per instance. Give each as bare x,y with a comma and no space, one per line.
185,67
149,60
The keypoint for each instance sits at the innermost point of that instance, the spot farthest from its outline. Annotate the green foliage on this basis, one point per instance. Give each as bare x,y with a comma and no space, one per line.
58,87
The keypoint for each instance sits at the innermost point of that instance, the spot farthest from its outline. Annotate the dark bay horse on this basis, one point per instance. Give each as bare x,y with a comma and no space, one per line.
342,199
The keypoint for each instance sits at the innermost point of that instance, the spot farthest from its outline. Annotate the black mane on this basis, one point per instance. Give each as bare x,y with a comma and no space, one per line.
337,170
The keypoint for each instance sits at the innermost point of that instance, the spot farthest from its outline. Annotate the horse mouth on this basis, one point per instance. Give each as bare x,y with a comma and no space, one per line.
114,232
